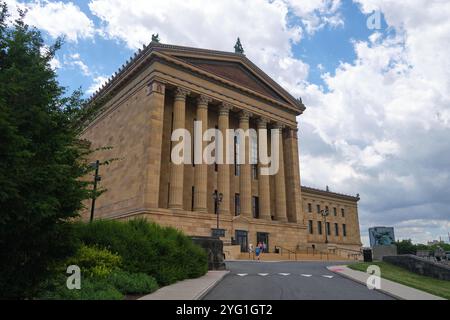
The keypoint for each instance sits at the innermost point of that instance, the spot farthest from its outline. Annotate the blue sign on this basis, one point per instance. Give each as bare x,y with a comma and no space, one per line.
381,236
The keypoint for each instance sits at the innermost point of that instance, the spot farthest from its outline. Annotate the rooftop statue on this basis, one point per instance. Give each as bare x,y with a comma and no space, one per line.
155,37
238,47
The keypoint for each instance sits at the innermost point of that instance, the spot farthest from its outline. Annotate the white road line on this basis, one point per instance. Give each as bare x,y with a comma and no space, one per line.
329,277
263,274
242,274
284,274
306,275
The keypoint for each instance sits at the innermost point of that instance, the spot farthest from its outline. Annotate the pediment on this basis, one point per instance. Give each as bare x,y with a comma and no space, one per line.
237,73
231,67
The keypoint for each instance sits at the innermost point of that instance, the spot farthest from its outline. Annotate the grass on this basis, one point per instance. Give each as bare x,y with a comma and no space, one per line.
434,286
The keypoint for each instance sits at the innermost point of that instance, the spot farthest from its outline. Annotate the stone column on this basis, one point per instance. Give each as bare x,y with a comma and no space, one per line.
201,170
223,183
263,180
293,186
245,179
177,171
280,187
153,139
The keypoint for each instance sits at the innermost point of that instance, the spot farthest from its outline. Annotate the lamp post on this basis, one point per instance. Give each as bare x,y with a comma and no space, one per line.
218,197
97,178
324,214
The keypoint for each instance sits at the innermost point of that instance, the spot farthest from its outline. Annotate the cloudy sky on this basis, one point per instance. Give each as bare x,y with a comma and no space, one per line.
374,75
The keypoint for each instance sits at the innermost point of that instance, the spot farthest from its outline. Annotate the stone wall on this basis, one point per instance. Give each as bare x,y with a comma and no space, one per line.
420,266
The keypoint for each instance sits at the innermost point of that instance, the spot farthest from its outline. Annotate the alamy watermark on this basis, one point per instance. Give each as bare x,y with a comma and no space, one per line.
374,280
227,149
74,279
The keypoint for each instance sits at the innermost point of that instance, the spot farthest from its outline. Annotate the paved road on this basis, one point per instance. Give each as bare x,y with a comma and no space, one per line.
288,281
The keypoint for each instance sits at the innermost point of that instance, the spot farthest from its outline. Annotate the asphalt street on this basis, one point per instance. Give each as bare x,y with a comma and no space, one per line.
249,280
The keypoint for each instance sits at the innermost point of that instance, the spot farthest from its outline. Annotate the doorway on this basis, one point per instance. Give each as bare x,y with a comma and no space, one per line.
264,238
242,240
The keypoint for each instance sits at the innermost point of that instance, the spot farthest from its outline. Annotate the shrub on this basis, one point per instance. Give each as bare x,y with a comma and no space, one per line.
94,261
91,289
163,253
132,283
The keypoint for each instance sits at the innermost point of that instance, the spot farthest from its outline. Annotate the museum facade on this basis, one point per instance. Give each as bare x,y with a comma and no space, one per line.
164,88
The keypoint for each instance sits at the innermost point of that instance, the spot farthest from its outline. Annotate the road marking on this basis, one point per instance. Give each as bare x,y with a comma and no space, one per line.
242,274
329,277
306,275
263,274
284,274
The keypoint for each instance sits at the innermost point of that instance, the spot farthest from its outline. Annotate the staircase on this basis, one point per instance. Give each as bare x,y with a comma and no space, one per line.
307,255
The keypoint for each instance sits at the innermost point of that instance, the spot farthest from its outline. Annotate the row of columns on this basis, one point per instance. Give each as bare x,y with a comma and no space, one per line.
223,184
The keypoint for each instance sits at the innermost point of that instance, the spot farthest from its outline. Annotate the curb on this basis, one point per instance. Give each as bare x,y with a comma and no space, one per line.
363,283
205,291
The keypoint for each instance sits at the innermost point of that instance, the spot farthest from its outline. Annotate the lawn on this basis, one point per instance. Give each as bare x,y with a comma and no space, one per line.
388,271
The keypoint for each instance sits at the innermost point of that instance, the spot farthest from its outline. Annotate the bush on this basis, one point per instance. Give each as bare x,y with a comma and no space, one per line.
91,289
94,261
164,253
132,283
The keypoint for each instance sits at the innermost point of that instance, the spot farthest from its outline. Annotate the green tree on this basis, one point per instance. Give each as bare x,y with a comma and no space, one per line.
41,160
406,247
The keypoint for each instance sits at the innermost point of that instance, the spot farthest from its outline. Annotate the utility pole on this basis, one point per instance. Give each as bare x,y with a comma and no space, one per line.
97,178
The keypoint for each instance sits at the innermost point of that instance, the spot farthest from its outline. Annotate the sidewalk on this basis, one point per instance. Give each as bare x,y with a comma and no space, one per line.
192,289
394,289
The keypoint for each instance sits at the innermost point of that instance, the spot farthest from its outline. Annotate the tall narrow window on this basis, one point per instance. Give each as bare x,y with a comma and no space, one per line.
343,212
318,208
192,198
336,230
255,207
216,166
344,230
237,167
254,156
319,227
309,207
193,143
328,231
310,227
326,209
237,204
254,171
335,212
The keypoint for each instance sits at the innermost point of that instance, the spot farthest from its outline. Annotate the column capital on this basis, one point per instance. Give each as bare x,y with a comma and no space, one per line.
225,108
262,123
203,101
156,87
292,132
279,126
181,93
245,115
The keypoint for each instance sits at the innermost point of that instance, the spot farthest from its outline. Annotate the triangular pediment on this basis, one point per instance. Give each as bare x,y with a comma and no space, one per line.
234,68
237,73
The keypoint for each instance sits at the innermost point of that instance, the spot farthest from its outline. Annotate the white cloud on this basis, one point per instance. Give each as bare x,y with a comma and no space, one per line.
316,14
56,18
74,61
384,121
262,26
96,84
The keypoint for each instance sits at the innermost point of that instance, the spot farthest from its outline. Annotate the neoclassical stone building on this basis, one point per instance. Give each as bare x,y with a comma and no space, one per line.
165,87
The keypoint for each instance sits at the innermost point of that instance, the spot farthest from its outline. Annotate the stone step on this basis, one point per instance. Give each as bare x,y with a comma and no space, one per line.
292,257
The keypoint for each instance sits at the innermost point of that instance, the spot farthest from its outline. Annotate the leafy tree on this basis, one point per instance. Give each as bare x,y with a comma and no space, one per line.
41,160
406,247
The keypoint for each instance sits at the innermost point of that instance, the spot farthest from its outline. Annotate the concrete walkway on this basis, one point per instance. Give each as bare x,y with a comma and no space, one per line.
394,289
192,289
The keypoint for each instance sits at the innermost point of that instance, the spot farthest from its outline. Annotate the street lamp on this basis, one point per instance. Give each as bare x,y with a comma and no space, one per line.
217,197
97,178
324,214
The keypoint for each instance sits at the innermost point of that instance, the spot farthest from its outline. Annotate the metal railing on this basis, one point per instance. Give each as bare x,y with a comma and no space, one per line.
282,250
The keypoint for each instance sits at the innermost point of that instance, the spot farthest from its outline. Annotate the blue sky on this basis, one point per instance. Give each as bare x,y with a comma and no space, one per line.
378,100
